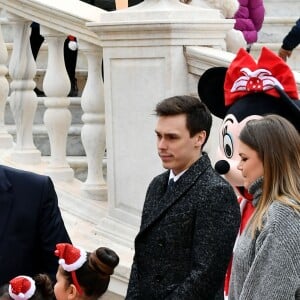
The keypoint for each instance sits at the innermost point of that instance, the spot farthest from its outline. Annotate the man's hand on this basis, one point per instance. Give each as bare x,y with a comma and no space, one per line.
284,54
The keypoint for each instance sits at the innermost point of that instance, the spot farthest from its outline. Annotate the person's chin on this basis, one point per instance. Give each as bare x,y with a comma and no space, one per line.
166,164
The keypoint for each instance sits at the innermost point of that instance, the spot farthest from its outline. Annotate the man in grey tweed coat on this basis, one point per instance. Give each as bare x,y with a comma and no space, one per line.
188,228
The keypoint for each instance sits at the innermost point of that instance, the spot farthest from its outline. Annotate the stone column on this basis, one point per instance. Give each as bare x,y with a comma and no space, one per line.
23,100
93,130
57,117
6,140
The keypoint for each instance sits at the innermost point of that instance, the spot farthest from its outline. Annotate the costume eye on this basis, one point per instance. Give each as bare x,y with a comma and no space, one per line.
227,145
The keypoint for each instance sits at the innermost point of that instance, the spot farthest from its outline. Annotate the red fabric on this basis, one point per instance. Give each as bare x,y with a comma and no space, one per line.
76,283
67,252
71,38
227,277
245,76
20,285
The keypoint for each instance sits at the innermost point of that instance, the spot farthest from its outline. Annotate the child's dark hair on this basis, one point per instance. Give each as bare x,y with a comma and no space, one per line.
198,116
44,288
94,275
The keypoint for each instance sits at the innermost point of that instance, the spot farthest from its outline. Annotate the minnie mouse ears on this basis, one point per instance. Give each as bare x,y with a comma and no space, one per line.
21,288
211,90
270,77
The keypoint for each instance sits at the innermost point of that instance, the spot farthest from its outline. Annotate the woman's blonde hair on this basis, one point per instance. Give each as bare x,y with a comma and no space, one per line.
277,144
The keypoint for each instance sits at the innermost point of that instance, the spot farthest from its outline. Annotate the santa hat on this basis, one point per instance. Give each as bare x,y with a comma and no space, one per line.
21,288
70,258
72,44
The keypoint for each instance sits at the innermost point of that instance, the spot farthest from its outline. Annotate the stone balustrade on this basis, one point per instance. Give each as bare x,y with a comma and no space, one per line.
57,117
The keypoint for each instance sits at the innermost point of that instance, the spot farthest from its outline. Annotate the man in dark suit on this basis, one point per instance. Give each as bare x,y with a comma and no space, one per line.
188,227
30,224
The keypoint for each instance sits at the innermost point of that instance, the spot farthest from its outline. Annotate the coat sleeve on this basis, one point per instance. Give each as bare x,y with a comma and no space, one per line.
292,39
51,229
133,287
215,231
272,274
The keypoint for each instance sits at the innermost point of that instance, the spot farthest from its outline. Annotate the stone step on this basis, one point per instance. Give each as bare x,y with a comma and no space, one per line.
79,165
293,61
274,29
278,8
75,150
74,107
41,139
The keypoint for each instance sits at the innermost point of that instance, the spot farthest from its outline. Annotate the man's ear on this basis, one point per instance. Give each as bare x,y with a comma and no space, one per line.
200,138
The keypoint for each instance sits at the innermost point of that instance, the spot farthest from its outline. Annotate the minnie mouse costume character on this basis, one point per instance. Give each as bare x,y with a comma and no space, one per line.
247,90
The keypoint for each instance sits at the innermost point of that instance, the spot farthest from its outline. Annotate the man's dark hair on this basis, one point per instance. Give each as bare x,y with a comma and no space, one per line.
198,117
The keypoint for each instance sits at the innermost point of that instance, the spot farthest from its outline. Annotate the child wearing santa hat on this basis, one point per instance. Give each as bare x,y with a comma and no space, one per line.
24,287
83,275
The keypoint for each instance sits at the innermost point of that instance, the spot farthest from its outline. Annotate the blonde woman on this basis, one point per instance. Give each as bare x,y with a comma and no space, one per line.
267,257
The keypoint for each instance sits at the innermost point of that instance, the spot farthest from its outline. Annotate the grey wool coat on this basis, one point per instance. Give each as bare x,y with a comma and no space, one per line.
186,237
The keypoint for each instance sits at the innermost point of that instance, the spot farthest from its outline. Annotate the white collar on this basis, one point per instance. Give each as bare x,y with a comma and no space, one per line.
176,177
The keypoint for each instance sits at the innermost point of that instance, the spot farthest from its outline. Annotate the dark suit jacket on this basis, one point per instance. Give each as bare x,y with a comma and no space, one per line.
186,237
30,224
110,5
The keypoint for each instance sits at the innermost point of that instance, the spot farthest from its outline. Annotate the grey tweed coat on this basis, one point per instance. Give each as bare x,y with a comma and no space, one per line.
186,237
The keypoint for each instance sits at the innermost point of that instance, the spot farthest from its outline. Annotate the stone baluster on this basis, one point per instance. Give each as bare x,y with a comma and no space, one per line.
23,100
57,117
6,140
93,130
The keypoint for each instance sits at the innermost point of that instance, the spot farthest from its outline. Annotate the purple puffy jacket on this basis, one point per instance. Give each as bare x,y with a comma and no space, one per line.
249,19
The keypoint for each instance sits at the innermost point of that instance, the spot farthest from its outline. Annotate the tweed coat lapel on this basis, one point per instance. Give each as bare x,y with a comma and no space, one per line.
6,201
162,200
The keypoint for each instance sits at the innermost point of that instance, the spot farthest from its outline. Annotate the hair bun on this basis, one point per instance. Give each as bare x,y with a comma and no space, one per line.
104,260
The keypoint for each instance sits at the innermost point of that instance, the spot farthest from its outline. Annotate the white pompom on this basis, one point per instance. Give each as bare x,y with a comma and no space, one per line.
73,45
61,261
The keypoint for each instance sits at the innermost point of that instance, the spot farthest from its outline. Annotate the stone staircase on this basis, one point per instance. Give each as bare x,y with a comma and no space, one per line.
279,19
